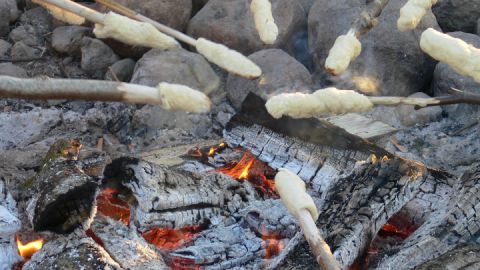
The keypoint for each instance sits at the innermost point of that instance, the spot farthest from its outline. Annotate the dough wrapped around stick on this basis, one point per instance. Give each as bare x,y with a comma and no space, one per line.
61,14
264,22
293,193
328,100
345,49
181,97
230,60
133,32
412,13
459,55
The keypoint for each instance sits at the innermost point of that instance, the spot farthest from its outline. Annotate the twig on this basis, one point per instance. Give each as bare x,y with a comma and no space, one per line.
368,17
168,96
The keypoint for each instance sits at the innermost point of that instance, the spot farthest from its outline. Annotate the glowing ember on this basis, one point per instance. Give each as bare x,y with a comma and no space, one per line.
273,247
110,205
206,152
27,250
177,263
251,169
171,239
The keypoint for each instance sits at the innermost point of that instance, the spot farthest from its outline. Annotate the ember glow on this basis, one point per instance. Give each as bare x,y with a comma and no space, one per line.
171,239
273,247
206,152
110,205
255,171
27,250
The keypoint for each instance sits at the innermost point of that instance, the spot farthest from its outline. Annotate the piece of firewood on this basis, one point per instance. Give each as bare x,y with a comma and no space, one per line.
293,194
219,54
167,96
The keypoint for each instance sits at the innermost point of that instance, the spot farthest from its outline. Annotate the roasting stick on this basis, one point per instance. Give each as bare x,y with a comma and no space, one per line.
347,47
112,25
228,59
167,96
294,196
332,100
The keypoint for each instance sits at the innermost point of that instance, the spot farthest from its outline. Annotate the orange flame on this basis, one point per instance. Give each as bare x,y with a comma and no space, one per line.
26,251
171,239
204,153
253,170
110,205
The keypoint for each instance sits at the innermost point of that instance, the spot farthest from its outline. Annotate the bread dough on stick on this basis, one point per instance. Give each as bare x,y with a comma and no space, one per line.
264,22
328,100
345,49
228,59
133,32
181,97
412,13
293,193
61,14
459,55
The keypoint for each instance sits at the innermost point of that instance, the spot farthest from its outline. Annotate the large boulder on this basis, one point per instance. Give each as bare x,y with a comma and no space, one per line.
230,22
176,66
446,80
391,62
281,73
457,15
174,13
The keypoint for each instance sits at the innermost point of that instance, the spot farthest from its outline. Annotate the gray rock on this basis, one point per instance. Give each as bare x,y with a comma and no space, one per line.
174,13
10,69
68,39
230,22
457,15
175,66
39,18
122,70
96,56
409,116
391,62
21,50
478,27
445,80
4,47
26,34
11,7
281,73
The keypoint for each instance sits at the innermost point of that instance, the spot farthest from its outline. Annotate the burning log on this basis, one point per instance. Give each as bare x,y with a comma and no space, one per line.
9,226
168,96
125,246
167,198
356,192
65,197
74,251
226,58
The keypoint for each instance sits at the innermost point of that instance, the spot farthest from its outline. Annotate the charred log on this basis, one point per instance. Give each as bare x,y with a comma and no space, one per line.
124,245
71,252
168,198
464,256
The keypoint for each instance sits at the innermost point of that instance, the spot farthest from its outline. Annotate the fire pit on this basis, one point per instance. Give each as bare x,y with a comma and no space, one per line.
196,156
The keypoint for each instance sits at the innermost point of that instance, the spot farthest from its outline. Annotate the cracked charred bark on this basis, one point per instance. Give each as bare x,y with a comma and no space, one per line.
168,198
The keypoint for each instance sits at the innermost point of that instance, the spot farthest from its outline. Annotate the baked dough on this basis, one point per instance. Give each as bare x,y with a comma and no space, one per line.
61,14
133,32
345,49
264,22
230,60
412,13
459,55
328,100
293,193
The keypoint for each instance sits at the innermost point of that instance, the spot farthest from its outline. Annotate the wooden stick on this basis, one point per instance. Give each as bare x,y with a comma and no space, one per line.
168,96
134,15
89,14
368,17
319,247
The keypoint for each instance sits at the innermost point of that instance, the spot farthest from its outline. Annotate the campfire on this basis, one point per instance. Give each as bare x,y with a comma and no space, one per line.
240,134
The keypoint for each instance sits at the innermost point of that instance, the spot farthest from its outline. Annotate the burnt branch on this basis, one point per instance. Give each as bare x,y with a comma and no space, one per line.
368,17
